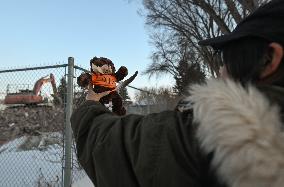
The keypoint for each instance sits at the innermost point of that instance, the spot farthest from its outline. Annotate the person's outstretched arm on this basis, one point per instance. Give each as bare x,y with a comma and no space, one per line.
108,146
130,150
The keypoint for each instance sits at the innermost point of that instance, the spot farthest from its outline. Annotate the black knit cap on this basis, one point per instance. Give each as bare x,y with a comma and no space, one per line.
266,22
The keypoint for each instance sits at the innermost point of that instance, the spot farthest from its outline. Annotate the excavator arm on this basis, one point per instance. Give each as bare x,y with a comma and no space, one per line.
39,83
57,99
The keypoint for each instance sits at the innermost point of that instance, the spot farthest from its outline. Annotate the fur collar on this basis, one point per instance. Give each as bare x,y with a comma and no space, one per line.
243,130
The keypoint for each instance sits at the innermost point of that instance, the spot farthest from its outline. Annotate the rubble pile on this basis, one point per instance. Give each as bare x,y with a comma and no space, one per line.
31,121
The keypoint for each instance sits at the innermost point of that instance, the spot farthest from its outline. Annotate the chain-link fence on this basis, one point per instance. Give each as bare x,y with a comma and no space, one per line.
31,127
36,145
33,139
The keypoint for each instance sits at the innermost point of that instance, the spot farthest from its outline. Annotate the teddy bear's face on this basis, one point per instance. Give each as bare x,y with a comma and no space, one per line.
104,69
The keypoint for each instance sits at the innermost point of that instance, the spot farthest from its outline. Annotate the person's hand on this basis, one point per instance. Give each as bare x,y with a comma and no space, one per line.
93,96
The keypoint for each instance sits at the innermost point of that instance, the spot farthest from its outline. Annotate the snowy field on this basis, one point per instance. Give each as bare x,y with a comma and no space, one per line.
39,166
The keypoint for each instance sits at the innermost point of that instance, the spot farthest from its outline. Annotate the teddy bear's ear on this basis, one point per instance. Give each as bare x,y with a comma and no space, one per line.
92,61
110,63
91,66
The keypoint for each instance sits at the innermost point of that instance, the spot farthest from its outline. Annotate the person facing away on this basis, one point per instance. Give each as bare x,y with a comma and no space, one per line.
231,133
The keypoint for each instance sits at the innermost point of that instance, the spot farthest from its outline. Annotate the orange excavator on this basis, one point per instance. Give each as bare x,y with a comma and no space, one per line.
32,97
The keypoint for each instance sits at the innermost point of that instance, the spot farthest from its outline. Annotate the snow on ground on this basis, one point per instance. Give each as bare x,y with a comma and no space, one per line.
2,107
83,182
36,167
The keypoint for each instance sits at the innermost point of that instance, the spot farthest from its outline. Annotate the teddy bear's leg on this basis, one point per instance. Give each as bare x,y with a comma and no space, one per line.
105,99
117,106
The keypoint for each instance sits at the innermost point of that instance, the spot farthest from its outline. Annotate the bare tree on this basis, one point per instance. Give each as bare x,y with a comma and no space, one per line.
162,96
172,56
191,21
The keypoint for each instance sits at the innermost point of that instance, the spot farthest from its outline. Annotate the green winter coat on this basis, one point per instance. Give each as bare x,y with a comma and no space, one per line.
171,149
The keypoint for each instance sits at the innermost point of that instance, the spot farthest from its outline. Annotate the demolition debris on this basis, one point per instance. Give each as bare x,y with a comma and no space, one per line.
30,121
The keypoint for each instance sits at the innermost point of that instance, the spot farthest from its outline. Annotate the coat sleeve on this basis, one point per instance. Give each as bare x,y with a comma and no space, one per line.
126,149
92,123
107,144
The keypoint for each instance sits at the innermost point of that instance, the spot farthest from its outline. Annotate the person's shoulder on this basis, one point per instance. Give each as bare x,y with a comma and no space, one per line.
184,105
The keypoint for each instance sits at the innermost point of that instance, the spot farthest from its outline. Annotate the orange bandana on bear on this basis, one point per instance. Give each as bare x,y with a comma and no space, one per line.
105,80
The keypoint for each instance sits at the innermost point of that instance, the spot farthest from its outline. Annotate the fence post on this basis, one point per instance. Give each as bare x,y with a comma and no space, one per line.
68,132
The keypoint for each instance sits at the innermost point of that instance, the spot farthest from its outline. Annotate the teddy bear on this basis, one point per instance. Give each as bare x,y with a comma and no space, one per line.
104,78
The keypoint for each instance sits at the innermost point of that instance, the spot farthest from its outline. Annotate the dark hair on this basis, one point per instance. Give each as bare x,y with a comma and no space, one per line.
246,58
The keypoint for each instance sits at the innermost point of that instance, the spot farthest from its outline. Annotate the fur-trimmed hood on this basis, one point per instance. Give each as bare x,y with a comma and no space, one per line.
243,130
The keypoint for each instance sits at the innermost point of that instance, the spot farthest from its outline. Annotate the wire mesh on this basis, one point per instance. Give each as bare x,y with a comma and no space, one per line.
32,123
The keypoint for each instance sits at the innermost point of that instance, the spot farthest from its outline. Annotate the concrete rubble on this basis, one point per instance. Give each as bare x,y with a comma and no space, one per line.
30,121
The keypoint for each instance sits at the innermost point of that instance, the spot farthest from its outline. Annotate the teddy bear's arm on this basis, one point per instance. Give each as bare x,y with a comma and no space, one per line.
121,73
84,80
